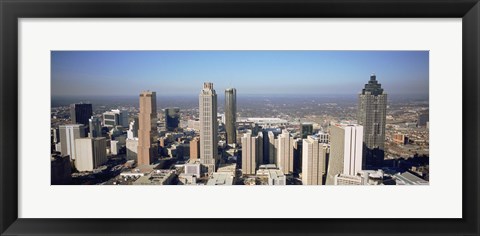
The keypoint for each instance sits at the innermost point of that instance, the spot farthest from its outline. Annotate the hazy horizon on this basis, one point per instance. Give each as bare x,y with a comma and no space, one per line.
252,73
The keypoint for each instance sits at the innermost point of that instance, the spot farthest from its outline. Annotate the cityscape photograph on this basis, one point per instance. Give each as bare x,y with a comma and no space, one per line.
247,117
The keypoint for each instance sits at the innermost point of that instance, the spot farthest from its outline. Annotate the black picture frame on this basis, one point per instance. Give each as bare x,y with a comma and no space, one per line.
11,11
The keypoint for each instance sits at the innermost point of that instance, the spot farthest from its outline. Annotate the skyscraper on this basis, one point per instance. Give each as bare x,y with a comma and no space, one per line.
195,148
147,127
68,134
345,151
172,118
80,113
95,127
314,161
231,114
285,152
372,112
252,152
306,129
208,126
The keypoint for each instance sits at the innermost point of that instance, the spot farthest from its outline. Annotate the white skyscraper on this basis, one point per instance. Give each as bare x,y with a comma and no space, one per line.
252,152
208,126
314,157
346,146
285,152
68,134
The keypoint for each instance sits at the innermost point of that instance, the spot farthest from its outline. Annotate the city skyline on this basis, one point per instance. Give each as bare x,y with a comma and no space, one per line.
176,73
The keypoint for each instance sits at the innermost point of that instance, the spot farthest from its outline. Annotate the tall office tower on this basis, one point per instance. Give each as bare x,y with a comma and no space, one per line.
195,148
60,170
272,148
208,127
95,127
91,153
172,118
297,155
68,134
346,148
147,127
285,152
372,113
306,129
231,115
252,152
314,161
80,113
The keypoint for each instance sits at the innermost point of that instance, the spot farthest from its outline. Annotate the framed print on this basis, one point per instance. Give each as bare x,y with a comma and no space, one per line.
171,113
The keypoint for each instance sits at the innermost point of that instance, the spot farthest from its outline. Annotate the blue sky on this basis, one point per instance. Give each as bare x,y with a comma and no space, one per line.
118,73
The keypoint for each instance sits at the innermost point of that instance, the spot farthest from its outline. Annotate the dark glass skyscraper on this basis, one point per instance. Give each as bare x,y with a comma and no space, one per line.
372,112
80,113
172,118
231,114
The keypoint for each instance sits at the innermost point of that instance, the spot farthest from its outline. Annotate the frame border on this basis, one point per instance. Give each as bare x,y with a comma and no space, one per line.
11,10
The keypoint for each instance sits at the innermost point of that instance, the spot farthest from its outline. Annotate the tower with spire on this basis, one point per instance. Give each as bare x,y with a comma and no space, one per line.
372,112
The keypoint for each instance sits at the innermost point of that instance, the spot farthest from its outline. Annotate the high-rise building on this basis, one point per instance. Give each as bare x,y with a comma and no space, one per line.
306,129
285,152
68,134
346,148
272,148
172,118
195,148
208,126
91,153
314,161
252,152
80,113
231,114
60,169
95,127
115,117
372,113
147,127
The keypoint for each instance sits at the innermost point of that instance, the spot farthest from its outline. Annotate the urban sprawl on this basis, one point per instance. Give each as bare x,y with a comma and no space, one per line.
372,143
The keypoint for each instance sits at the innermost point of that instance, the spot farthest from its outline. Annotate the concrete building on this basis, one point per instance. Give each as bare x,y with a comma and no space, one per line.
272,148
91,153
147,128
231,115
80,113
193,168
95,127
276,177
208,127
194,124
156,177
314,161
172,118
342,179
252,153
408,178
115,117
372,113
285,152
221,178
68,134
346,155
195,148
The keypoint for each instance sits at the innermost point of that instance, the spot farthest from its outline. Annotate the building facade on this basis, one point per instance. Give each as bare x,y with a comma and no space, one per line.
285,152
231,115
91,153
252,153
314,161
172,118
68,134
95,127
372,113
346,151
147,128
195,148
208,127
80,113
